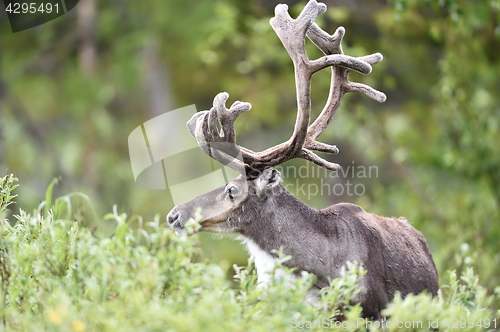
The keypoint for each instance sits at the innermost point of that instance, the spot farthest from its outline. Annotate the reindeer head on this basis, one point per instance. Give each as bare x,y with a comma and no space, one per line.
229,208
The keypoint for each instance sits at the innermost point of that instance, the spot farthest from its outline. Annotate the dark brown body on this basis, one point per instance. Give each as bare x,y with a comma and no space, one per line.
395,254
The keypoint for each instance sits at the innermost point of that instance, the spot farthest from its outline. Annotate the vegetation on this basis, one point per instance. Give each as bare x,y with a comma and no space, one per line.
59,275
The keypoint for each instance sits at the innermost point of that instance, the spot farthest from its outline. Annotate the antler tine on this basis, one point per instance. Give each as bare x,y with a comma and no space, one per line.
330,45
326,43
366,90
227,117
203,127
312,157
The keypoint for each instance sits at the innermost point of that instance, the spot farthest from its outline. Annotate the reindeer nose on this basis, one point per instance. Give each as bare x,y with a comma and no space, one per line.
173,217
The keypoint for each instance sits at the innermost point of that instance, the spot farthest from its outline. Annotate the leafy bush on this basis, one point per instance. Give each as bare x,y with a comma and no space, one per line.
58,275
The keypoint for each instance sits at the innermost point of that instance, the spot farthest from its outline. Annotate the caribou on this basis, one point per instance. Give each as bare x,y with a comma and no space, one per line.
268,217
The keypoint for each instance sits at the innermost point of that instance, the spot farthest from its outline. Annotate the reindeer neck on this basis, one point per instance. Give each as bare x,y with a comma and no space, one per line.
282,218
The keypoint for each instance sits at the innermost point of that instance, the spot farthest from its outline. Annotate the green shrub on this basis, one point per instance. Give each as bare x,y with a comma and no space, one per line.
59,275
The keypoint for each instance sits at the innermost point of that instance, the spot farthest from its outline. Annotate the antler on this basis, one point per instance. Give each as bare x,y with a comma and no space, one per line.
292,33
203,127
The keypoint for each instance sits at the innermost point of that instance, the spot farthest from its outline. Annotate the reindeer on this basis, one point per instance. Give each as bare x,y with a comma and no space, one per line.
268,217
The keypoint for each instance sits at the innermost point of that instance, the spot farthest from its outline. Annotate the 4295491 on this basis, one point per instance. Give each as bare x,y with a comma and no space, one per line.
455,323
24,8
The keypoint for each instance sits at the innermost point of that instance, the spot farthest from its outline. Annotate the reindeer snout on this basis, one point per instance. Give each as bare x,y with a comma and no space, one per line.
174,219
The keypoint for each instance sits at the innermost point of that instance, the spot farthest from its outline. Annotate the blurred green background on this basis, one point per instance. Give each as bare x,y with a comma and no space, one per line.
72,90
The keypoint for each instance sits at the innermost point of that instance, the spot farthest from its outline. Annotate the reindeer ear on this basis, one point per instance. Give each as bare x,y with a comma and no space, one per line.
267,180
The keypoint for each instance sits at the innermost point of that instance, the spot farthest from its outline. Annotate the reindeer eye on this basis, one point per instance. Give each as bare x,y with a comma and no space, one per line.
233,191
